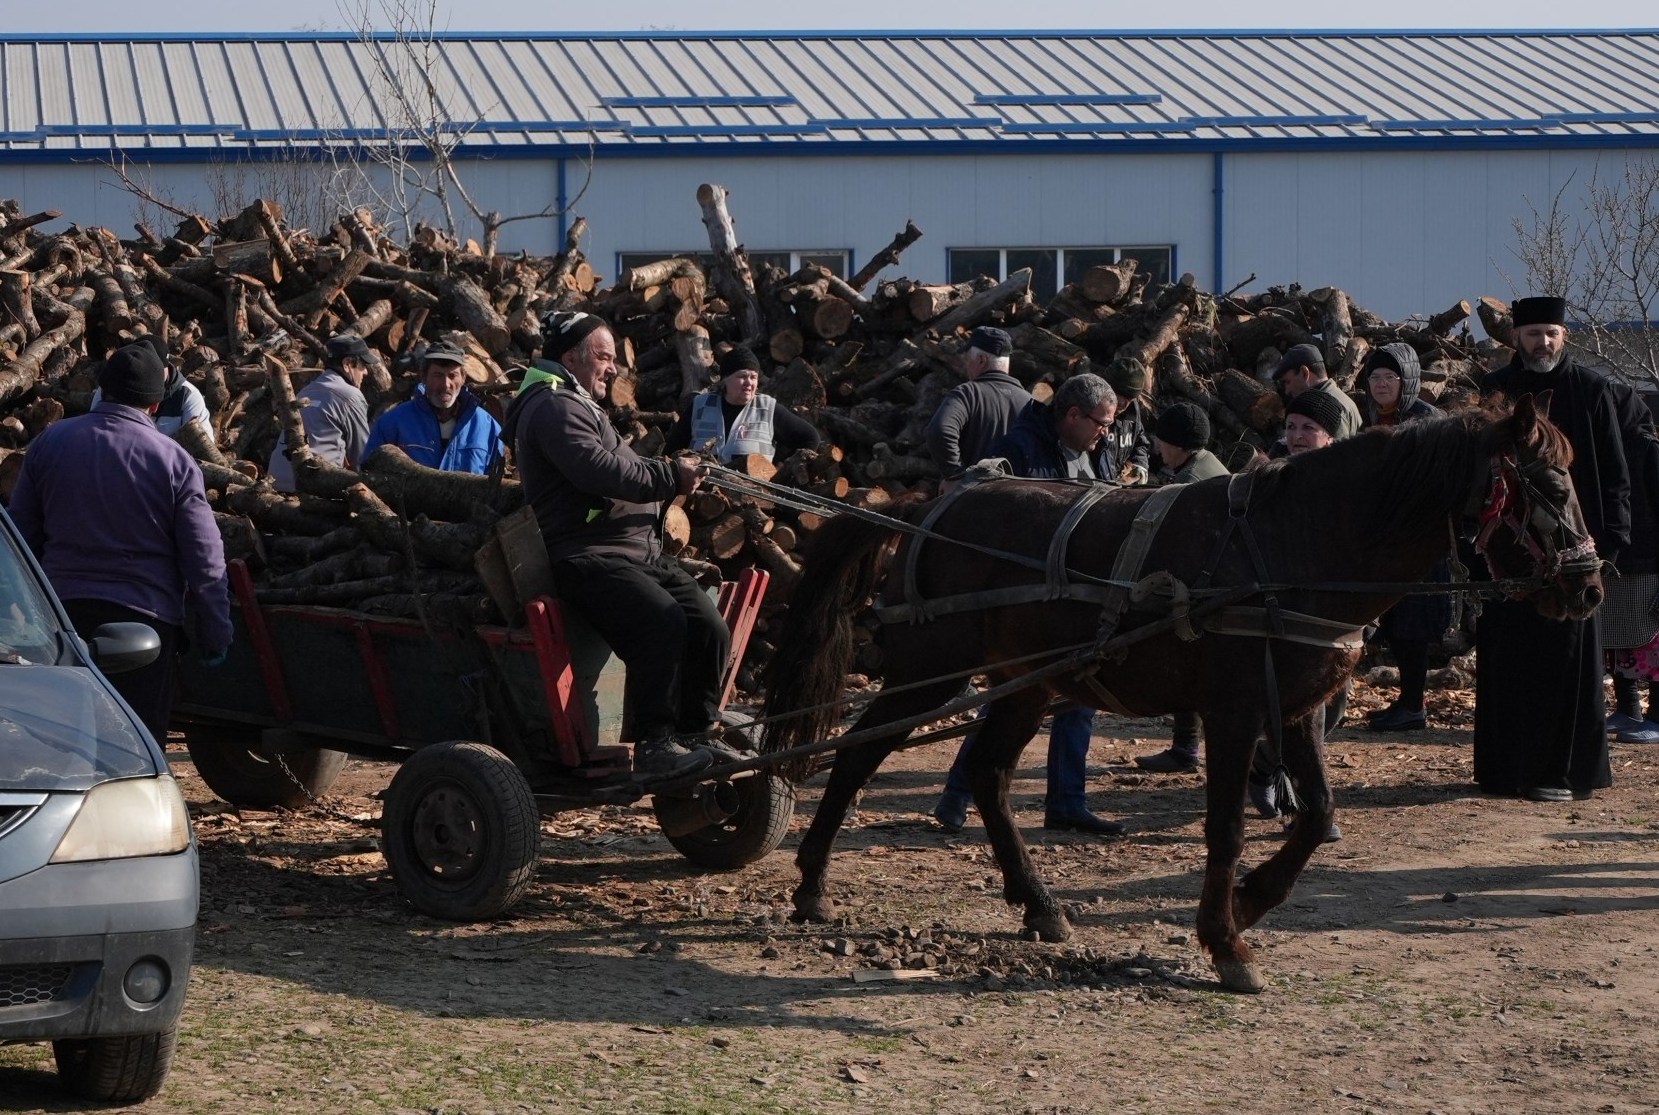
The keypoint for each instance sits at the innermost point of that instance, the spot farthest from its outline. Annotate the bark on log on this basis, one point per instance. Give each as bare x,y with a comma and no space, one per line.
413,489
1254,402
887,257
732,276
16,303
424,542
1495,319
1443,322
1016,286
19,375
1108,283
1338,329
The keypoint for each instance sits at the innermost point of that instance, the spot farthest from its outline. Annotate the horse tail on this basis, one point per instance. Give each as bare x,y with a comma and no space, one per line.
843,564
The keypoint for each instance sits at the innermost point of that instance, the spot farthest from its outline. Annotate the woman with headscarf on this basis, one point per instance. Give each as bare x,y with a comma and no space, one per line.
1391,380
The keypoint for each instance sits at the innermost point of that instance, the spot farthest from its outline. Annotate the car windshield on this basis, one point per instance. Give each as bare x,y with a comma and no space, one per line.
29,629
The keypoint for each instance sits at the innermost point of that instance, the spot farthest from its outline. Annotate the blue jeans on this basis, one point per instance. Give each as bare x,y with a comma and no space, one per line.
1068,754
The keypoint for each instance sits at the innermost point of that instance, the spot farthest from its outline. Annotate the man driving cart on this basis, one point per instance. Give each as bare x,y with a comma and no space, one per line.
599,506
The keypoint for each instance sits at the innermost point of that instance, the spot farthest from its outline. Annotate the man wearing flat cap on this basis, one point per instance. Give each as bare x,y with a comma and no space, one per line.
975,415
737,420
116,512
599,505
1302,368
332,409
1540,713
444,426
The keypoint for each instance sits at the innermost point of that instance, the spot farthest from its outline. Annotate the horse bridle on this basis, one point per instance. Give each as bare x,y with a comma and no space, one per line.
1515,503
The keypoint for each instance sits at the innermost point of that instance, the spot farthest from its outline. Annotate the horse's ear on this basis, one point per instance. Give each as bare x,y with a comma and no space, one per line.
1542,403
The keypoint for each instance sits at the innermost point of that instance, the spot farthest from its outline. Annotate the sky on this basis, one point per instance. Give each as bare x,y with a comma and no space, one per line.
207,16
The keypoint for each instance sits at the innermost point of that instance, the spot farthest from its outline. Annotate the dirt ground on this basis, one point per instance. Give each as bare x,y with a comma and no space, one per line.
1453,953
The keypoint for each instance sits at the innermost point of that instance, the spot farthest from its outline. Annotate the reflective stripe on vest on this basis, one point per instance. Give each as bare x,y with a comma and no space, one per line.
751,430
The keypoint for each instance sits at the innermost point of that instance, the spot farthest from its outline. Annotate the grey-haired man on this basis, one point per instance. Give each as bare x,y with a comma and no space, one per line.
599,505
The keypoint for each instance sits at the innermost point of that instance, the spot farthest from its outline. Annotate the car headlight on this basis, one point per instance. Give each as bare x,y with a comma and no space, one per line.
132,817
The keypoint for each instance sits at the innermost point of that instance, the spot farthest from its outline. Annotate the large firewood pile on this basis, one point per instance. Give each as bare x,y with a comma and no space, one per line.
245,304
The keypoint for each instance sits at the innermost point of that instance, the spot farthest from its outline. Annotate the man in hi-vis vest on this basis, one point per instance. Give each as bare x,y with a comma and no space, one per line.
738,419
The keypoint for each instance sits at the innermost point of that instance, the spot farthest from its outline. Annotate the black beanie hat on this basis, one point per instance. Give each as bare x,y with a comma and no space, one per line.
1323,407
563,330
1539,311
134,376
739,358
1185,426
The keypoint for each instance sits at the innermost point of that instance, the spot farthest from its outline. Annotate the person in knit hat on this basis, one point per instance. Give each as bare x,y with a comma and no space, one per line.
1180,439
1129,441
1313,420
736,419
117,513
1302,369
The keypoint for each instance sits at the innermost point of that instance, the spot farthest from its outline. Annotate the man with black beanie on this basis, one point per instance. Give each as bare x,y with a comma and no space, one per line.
599,505
118,516
1540,714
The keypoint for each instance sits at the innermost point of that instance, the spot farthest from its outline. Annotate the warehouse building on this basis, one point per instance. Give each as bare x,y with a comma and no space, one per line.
1394,164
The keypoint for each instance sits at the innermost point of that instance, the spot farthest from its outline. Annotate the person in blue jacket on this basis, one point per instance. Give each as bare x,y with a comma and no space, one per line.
444,426
1061,440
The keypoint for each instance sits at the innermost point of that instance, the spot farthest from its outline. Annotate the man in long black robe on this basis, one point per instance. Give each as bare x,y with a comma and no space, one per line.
1540,713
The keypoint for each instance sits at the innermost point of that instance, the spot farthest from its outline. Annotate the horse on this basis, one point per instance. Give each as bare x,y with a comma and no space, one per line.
1318,543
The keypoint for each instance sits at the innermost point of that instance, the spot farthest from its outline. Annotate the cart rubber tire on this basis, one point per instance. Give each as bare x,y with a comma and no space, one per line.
766,803
125,1069
460,831
246,776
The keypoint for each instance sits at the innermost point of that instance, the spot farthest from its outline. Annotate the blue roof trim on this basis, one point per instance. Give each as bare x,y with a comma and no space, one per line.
1271,121
1019,99
694,100
672,130
1532,123
1607,117
908,121
1234,33
1072,127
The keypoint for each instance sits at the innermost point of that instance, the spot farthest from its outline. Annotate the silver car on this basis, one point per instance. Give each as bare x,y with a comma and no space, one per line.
98,870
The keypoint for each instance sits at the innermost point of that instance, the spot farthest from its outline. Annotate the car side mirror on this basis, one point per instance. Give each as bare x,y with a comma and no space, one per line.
119,648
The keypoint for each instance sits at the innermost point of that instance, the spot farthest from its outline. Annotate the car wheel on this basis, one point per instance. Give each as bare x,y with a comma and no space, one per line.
251,777
124,1069
460,831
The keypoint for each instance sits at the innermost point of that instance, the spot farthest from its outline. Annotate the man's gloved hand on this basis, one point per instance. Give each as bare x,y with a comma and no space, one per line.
213,659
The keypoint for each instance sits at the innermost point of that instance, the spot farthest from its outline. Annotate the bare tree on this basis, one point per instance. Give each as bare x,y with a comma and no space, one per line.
423,119
1598,247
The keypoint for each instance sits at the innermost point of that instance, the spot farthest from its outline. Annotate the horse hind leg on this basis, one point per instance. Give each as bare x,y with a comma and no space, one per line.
1003,735
853,768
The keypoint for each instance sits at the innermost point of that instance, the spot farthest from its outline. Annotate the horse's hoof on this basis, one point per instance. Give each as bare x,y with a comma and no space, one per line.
1049,927
1240,976
817,909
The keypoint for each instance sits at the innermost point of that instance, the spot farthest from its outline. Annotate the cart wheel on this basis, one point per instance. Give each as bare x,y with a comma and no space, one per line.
246,776
765,805
460,831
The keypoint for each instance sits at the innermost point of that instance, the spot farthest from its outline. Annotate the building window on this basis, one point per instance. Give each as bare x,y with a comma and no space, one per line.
1051,268
791,261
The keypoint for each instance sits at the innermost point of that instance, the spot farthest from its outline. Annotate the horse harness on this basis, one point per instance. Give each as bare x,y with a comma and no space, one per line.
1127,586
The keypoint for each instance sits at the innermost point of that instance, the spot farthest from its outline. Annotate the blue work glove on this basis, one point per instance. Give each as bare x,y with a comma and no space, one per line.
212,659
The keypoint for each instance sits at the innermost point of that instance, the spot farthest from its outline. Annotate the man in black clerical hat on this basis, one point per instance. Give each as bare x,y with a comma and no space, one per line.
1539,709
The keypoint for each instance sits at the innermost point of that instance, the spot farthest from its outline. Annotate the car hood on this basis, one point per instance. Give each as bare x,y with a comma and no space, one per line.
61,730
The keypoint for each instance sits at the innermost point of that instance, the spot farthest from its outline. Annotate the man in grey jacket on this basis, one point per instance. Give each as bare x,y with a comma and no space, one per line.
599,505
333,410
975,415
1302,368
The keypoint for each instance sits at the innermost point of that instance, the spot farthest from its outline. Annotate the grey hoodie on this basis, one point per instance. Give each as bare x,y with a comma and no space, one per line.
1410,407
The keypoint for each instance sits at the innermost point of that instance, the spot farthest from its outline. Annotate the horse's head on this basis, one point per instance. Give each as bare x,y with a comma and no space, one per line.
1530,528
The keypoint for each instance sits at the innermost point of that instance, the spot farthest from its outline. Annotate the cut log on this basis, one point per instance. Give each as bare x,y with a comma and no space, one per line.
19,375
1443,322
1108,283
732,275
887,257
15,301
1495,319
413,489
1254,402
1016,286
1338,329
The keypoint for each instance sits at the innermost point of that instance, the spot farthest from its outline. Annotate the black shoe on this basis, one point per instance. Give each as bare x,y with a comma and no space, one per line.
1397,718
1549,793
1168,761
718,746
1082,821
667,757
951,812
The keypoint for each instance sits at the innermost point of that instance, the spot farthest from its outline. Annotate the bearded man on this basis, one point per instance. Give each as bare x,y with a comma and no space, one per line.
1539,710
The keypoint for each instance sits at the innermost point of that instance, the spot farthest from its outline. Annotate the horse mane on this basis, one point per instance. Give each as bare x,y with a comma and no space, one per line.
1412,475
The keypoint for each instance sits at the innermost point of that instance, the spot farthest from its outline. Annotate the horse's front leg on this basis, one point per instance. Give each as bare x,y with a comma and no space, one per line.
1003,734
1229,743
853,768
1270,883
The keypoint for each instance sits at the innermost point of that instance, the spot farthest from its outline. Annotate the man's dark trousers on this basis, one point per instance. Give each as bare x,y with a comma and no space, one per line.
149,689
665,629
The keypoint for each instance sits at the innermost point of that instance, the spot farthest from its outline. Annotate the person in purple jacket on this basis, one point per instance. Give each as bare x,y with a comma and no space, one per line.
117,515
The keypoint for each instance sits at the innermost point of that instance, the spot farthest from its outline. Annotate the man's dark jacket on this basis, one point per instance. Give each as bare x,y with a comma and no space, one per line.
1032,447
971,419
1587,410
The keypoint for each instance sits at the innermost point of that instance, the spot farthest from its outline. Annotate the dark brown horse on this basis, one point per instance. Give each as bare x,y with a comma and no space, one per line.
1338,529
